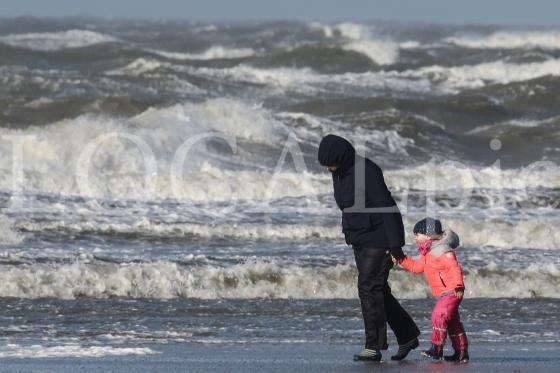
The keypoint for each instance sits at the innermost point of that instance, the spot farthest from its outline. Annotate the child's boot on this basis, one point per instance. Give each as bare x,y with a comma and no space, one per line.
460,345
435,352
460,356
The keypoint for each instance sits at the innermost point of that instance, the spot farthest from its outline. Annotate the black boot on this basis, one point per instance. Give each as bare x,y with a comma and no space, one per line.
435,352
404,349
460,356
368,355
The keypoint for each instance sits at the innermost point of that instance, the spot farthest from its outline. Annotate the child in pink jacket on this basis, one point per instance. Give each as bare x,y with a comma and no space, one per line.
438,262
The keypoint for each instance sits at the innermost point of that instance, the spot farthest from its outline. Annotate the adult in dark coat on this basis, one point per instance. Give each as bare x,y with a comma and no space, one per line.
372,224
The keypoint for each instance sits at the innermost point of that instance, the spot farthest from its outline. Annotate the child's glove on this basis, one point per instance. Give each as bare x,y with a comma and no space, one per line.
459,292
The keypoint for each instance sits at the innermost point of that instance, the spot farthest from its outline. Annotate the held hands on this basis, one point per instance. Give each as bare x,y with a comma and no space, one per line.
459,292
396,254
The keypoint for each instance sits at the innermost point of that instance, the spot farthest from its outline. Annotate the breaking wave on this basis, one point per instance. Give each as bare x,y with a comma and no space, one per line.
430,79
532,233
253,279
480,75
509,40
9,235
133,158
54,41
361,39
212,53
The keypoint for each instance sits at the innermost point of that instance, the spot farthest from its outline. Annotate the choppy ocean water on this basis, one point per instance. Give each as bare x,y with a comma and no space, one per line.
159,179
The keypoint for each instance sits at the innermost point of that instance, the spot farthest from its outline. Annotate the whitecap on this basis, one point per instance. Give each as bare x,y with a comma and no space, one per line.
212,53
53,41
361,39
138,67
545,39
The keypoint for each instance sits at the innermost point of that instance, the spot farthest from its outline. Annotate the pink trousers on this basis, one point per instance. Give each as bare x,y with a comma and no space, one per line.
445,317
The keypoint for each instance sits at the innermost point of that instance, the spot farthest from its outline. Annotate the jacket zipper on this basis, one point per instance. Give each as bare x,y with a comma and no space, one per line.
441,279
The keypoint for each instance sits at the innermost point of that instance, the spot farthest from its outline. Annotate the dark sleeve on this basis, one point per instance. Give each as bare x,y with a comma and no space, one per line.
378,195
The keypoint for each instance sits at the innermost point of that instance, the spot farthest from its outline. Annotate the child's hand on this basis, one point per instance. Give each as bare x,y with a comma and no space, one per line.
459,292
394,260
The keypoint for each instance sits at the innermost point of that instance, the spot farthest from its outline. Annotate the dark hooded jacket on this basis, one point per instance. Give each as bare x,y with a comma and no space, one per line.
381,229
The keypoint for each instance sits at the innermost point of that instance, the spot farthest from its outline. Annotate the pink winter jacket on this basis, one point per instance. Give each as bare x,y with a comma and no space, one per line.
439,265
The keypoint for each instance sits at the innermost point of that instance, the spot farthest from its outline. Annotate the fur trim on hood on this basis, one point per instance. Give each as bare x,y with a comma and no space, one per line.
449,241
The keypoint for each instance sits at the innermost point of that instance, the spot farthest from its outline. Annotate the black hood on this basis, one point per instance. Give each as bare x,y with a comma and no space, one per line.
335,150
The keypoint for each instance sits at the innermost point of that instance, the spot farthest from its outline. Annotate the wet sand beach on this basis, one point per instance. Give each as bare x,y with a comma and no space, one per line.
486,357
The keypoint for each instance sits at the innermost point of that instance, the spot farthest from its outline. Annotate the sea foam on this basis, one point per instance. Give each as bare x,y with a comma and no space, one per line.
69,350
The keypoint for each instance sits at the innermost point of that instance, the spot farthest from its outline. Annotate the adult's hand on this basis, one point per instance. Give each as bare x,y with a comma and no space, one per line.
396,253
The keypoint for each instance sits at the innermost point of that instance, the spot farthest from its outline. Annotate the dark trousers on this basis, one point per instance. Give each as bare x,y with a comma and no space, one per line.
379,307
